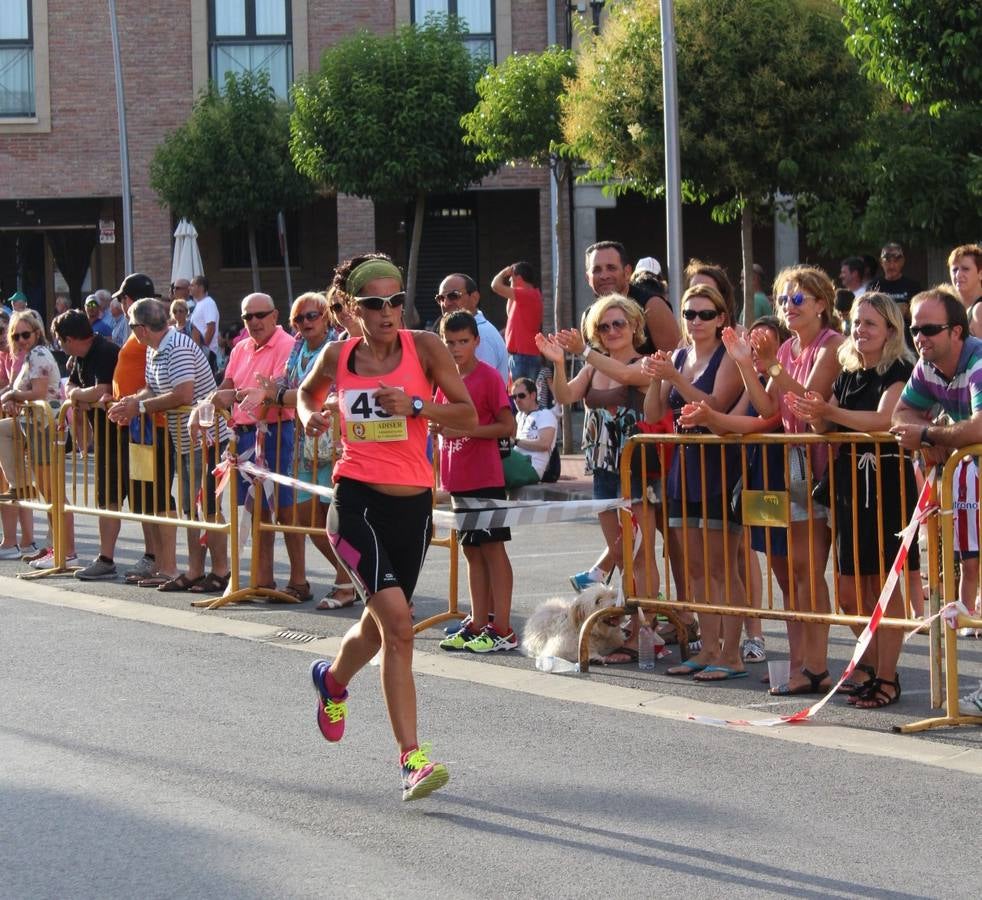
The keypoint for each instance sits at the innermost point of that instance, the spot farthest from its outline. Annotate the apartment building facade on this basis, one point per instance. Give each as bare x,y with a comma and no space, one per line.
61,185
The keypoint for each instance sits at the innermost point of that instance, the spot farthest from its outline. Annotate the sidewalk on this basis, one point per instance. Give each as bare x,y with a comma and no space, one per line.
573,484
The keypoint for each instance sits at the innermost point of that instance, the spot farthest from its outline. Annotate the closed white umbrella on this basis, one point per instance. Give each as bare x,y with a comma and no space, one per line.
187,258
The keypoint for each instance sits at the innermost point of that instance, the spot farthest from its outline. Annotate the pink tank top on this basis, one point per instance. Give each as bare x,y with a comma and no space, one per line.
376,447
799,368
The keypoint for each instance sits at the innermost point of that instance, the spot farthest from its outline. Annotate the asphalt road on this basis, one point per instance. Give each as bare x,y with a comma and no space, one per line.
542,559
162,753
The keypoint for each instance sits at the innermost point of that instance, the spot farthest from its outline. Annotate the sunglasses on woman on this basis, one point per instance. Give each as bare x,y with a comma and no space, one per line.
619,324
707,315
795,299
375,304
311,316
22,335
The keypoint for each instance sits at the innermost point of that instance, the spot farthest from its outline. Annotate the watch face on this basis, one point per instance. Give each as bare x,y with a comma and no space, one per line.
417,405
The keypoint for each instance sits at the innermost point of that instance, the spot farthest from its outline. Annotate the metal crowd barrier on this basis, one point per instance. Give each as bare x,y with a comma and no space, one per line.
320,455
134,465
38,451
769,507
947,506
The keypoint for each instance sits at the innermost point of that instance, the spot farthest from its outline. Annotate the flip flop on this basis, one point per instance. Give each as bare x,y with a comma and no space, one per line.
727,675
686,667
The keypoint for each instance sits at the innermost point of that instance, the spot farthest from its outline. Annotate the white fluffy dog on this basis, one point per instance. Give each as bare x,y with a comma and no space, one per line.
554,628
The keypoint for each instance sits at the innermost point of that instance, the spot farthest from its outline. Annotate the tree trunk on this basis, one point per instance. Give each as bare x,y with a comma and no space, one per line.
747,246
254,259
562,296
411,315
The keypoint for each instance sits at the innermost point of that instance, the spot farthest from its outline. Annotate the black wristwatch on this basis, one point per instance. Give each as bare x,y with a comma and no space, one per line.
925,440
417,406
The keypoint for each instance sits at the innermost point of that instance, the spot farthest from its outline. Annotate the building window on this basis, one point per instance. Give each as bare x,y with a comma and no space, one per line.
251,36
16,59
235,245
478,17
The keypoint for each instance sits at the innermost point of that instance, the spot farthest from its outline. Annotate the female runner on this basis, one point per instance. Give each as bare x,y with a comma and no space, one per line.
380,520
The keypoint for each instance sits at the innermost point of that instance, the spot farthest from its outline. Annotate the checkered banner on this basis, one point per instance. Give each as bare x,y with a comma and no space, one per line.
469,513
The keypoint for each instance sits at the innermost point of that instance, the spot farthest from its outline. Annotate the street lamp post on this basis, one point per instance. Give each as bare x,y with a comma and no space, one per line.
673,167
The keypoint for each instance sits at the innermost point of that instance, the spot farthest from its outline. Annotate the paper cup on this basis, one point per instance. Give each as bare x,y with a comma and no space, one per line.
778,671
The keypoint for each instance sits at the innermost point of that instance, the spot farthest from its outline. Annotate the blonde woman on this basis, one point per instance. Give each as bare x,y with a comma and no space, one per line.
611,386
876,364
807,361
38,378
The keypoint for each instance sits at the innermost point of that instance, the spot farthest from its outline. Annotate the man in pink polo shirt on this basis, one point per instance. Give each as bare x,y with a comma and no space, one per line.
253,363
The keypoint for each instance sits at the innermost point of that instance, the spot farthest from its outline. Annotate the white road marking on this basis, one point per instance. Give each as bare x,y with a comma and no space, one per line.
571,689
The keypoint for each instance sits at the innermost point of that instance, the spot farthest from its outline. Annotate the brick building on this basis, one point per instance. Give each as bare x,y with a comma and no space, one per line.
61,209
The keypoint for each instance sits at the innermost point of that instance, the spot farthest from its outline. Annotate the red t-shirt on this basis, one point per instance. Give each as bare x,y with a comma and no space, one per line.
524,320
468,463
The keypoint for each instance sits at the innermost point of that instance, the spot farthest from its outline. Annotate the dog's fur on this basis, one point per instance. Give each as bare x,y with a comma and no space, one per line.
553,629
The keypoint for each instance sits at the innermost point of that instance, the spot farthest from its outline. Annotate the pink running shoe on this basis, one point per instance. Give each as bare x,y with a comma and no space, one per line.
420,777
331,711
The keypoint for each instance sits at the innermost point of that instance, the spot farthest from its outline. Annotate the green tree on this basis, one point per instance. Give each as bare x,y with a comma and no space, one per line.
924,52
381,119
518,119
769,101
916,177
230,162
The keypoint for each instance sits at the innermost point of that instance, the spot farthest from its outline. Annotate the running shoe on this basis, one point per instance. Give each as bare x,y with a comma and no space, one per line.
331,711
752,650
454,627
97,570
971,704
581,581
489,641
420,777
13,552
458,640
48,560
31,551
144,568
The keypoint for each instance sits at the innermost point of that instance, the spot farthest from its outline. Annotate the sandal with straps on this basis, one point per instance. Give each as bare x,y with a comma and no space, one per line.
855,688
331,600
874,697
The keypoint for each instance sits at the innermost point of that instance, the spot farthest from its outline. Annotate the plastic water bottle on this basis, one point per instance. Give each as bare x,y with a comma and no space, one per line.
646,648
556,665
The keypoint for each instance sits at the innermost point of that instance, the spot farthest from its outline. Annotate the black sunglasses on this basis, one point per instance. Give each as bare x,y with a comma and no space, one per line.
931,330
311,316
248,317
521,396
21,335
707,315
449,295
378,303
619,324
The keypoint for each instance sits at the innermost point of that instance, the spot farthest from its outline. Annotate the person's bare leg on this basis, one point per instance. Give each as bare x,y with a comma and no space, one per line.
500,579
196,555
108,535
165,541
479,587
389,612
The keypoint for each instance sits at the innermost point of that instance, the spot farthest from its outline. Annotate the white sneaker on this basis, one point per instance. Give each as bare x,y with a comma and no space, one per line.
971,704
48,561
10,552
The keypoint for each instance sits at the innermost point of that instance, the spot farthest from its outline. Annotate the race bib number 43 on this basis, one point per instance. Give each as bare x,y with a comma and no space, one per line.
365,420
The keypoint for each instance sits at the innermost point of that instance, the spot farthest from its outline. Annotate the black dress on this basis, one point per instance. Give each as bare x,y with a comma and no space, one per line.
861,390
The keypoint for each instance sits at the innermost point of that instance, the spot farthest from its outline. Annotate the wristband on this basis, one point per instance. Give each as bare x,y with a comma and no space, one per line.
925,440
280,394
586,352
